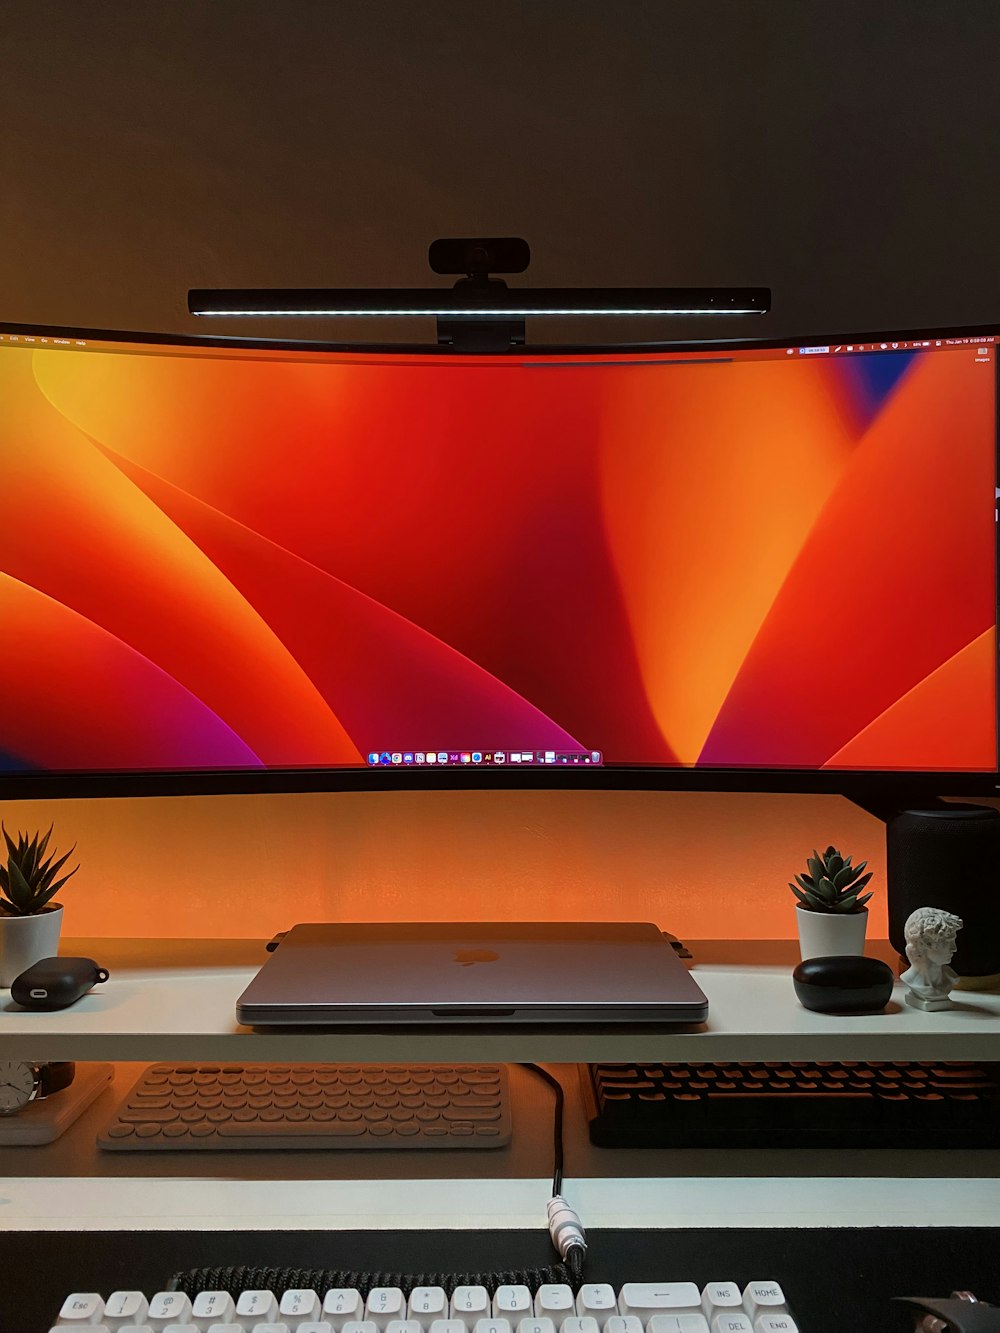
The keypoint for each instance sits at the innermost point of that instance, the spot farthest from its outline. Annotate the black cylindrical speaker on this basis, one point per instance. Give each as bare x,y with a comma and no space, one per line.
948,858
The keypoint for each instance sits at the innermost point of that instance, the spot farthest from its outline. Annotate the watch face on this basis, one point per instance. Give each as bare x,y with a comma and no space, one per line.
17,1081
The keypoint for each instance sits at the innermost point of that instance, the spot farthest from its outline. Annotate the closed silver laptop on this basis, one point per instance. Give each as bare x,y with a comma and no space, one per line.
492,973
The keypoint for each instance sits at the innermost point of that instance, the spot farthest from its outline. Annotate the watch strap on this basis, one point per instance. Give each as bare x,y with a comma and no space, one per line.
55,1076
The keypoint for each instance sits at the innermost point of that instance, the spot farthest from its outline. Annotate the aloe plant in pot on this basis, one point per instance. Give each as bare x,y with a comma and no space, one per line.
30,921
831,912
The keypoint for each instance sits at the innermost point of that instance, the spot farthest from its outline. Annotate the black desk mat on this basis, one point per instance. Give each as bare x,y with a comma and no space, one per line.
836,1280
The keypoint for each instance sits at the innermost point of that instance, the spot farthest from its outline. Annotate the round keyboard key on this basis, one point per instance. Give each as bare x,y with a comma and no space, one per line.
432,1132
174,1131
208,1103
301,1078
202,1131
411,1102
297,1113
147,1131
380,1131
362,1102
205,1080
259,1103
181,1103
157,1080
228,1080
324,1113
272,1113
121,1131
350,1115
245,1114
407,1127
375,1115
192,1116
400,1114
487,1132
285,1102
253,1078
461,1131
310,1103
218,1116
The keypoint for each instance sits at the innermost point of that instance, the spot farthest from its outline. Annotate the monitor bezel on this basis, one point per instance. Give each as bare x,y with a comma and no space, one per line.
861,785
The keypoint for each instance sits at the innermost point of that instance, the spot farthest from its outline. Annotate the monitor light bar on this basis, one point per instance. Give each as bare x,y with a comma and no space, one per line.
464,303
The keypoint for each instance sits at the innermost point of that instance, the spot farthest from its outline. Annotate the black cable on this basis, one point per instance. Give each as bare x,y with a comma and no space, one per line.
557,1127
279,1280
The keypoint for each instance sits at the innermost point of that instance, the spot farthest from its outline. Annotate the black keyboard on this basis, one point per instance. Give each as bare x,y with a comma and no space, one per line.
794,1104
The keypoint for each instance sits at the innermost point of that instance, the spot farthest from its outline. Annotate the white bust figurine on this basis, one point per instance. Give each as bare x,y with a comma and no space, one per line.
930,945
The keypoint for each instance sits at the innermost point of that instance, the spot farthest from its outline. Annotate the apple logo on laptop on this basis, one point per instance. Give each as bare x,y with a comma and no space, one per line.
469,956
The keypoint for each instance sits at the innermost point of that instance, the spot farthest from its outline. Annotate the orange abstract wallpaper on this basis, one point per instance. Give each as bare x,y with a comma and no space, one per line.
235,559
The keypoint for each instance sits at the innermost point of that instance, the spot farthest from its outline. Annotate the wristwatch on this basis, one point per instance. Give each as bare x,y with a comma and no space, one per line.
21,1083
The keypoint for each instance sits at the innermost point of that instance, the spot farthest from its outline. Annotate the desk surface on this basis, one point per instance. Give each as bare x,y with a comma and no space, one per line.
175,1000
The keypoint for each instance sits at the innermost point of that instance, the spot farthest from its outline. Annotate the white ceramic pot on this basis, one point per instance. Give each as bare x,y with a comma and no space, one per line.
831,934
26,939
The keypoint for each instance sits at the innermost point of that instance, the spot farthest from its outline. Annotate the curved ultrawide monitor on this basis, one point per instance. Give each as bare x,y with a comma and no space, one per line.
236,565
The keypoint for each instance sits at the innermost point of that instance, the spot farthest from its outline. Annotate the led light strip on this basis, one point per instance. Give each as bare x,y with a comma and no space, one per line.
507,313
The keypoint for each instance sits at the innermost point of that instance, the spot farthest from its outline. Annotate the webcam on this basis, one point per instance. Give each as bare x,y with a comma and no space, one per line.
479,255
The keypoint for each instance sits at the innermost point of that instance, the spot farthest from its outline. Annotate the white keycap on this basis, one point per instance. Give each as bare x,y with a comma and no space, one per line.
555,1301
427,1304
775,1323
490,1326
130,1328
513,1303
470,1304
731,1321
315,1326
268,1328
227,1328
598,1300
539,1326
212,1307
179,1328
621,1323
720,1296
297,1305
257,1307
125,1307
447,1326
81,1308
580,1324
647,1299
763,1298
359,1326
341,1304
404,1326
678,1323
169,1307
383,1304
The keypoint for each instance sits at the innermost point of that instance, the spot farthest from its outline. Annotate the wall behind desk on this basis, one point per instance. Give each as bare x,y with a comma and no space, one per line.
700,864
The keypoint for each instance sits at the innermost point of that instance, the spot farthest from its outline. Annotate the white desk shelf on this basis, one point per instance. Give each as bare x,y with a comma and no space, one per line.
175,1000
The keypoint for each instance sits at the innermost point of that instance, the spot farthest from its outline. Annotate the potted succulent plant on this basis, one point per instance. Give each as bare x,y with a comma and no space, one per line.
29,921
831,912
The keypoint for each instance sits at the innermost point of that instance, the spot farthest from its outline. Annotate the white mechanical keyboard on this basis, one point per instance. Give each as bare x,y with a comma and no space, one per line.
199,1107
639,1307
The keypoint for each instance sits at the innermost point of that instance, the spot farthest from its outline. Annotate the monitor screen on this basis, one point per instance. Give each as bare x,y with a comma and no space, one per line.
233,562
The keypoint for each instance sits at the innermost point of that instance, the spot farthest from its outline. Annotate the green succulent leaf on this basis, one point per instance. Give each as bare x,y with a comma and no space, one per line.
815,866
826,890
844,876
806,882
834,865
20,889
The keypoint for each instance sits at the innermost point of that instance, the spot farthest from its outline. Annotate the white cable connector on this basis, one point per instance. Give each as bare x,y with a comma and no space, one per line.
565,1226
